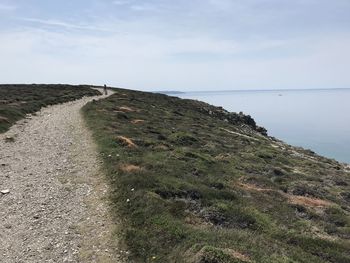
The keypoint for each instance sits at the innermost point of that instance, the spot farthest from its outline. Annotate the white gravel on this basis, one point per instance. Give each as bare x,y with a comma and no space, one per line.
55,206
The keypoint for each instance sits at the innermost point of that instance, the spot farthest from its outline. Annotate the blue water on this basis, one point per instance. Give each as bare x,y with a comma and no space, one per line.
314,119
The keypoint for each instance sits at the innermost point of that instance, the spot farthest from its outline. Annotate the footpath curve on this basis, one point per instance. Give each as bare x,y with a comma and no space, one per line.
54,205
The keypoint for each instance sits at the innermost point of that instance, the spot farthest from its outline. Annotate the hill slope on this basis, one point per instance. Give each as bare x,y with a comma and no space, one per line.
194,183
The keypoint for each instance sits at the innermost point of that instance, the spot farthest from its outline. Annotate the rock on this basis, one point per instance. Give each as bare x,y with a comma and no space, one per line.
230,117
4,192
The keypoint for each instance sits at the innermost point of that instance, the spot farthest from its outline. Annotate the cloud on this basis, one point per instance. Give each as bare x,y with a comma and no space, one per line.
7,7
199,44
122,2
143,7
222,4
67,25
150,62
136,6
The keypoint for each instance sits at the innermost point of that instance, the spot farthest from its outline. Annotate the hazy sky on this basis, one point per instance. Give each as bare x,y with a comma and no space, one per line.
177,44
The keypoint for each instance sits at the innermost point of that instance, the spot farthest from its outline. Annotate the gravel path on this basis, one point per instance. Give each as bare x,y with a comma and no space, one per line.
56,209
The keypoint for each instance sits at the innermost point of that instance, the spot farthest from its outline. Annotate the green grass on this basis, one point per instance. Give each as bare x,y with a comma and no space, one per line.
18,100
208,186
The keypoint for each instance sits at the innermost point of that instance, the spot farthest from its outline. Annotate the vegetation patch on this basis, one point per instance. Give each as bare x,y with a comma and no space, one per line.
195,183
210,254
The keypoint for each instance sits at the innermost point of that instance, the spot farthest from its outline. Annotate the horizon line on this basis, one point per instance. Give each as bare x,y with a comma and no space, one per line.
247,90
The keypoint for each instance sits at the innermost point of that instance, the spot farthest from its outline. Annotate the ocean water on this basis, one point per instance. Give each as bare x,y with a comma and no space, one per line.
314,119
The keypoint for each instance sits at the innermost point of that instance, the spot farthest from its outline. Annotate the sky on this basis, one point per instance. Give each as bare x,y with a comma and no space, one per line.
185,45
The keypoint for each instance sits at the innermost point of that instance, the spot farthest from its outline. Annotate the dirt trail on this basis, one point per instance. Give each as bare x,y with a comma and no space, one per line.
57,207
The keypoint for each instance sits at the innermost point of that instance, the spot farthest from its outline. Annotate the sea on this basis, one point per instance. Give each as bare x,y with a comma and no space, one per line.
318,120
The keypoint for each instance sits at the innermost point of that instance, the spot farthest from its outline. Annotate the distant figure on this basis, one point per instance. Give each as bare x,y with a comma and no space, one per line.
105,89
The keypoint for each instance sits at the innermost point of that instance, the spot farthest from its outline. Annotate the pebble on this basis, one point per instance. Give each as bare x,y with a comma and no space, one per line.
5,192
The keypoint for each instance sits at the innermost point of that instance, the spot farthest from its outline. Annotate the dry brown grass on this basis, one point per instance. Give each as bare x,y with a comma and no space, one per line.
197,222
238,255
223,157
308,201
305,201
161,147
127,109
130,168
127,142
137,121
254,187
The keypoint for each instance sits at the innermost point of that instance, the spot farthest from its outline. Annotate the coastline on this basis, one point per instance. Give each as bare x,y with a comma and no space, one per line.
292,117
198,179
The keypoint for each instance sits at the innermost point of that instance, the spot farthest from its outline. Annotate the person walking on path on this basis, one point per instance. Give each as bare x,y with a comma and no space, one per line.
105,89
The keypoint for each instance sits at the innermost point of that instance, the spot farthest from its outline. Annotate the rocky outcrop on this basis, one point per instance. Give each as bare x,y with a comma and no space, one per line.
230,117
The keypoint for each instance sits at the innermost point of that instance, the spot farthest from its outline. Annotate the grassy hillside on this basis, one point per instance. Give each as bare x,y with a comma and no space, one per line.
18,100
194,183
